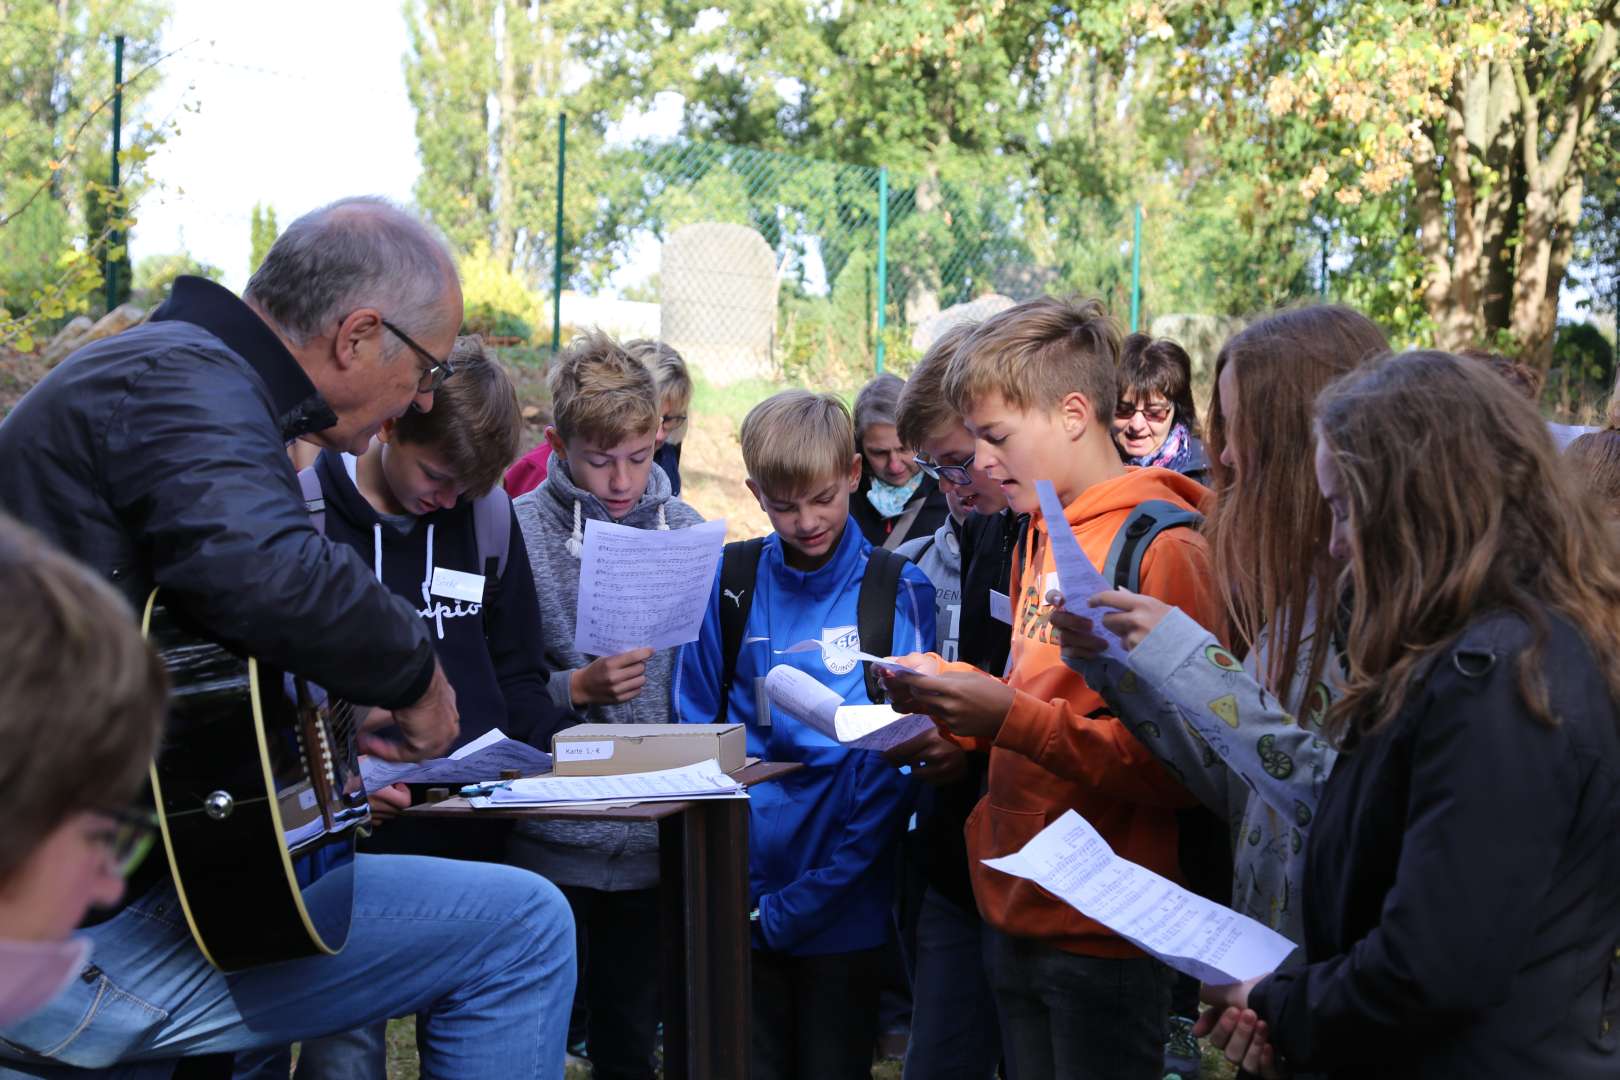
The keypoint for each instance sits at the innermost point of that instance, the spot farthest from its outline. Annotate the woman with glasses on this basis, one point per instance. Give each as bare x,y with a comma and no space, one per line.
897,500
81,706
1155,420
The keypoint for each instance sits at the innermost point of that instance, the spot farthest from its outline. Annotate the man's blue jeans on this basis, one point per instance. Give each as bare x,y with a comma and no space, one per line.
485,952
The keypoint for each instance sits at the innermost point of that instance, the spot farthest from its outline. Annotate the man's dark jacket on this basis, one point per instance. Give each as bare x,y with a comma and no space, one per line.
158,457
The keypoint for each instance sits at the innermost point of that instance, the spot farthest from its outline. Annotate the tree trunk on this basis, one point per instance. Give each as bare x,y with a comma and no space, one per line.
1554,187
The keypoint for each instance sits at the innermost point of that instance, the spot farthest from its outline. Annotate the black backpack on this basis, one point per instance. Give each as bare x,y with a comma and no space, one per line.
874,610
1142,526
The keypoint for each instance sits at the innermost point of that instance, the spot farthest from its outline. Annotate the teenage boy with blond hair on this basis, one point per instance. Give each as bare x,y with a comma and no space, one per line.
606,413
1036,387
822,839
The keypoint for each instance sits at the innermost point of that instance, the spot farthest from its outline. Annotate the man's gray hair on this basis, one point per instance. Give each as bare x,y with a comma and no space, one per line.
353,253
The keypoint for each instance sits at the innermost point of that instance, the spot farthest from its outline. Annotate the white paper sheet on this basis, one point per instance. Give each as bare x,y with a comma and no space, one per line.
1198,937
861,727
644,588
849,656
488,738
1078,579
688,781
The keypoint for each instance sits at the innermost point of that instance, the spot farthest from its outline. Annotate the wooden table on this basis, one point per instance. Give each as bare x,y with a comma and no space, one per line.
705,968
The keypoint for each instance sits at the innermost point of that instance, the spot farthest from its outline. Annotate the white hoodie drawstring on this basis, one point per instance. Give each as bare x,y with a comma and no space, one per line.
376,549
427,586
576,540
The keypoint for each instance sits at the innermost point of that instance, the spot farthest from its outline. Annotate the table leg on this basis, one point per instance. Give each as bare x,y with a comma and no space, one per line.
703,856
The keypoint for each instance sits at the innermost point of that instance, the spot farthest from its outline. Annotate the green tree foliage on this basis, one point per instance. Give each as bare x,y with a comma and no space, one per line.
1438,156
156,273
262,233
58,217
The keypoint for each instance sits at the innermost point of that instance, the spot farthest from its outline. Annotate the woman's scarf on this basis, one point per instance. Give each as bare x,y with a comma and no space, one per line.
1171,454
889,500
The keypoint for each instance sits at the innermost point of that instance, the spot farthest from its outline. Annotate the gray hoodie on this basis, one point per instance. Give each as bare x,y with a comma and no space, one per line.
611,856
940,557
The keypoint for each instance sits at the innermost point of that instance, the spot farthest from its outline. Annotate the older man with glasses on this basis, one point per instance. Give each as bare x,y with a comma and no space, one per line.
158,458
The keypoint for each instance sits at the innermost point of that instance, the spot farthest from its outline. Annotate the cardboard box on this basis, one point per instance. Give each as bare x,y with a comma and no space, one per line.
606,749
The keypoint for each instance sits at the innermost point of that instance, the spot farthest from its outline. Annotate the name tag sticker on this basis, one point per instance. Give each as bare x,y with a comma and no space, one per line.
1000,607
458,585
592,750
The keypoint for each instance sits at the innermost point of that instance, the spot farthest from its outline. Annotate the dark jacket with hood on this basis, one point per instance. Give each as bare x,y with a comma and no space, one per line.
1462,879
159,457
491,652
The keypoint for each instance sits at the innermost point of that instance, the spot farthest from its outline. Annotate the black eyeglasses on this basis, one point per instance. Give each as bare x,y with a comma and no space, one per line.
956,474
128,837
437,370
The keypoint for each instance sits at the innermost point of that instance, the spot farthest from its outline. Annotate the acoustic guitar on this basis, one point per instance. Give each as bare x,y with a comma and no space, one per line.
259,798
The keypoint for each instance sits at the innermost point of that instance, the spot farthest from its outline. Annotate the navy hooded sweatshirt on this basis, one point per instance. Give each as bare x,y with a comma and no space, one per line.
492,655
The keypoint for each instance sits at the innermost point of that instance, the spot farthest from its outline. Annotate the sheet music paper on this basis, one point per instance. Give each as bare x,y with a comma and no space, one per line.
861,727
703,780
1077,578
644,588
485,758
1197,937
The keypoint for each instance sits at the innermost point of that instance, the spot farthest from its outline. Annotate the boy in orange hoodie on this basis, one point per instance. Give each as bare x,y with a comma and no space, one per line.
1036,387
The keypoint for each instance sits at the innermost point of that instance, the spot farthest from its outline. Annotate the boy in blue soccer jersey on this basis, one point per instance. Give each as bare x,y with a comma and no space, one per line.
821,841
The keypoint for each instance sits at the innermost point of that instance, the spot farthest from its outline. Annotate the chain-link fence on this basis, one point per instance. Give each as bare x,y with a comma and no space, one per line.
758,264
762,264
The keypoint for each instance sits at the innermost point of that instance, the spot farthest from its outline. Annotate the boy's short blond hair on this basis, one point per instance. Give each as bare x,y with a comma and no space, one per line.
923,408
1036,354
600,392
669,373
794,441
475,424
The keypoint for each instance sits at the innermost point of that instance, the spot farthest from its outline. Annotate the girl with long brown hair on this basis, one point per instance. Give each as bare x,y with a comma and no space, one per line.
1225,726
1464,871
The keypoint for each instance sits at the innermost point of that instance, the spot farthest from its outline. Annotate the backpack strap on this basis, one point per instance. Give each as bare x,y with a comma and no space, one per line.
874,611
919,555
314,498
1142,526
492,532
739,567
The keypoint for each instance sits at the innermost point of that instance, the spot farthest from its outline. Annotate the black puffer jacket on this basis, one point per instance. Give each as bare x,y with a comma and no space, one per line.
1462,885
159,458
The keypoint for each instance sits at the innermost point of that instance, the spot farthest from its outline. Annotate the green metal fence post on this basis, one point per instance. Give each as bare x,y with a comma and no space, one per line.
109,265
1136,273
557,260
882,261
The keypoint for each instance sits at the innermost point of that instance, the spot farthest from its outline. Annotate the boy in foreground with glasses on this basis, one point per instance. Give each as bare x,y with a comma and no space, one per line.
966,558
81,706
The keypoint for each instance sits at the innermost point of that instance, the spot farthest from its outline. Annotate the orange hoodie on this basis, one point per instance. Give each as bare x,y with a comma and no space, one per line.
1056,750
